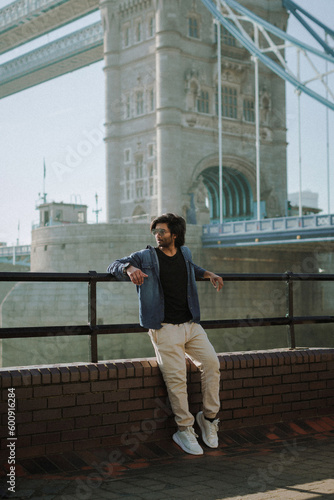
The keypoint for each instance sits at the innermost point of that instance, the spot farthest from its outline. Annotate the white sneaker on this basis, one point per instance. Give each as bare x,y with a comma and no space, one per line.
209,430
187,441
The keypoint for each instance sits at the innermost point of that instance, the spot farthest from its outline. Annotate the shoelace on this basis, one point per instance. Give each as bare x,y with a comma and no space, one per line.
214,426
192,435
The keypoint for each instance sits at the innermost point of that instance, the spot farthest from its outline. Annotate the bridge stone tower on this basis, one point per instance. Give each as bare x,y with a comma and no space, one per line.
162,114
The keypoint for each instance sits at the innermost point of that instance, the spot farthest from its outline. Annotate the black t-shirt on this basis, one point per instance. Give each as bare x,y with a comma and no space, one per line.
174,280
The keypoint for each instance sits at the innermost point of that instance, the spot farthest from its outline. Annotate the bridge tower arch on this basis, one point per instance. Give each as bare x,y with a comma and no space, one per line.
239,188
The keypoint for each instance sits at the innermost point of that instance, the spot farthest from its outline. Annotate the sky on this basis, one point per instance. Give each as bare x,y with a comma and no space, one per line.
60,123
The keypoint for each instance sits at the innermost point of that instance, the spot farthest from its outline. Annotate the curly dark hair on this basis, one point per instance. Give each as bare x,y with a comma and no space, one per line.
176,225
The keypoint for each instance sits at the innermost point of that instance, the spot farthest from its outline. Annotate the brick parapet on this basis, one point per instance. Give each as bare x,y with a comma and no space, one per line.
77,406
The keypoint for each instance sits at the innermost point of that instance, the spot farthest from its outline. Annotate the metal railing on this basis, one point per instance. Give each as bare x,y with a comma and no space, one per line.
82,40
25,10
278,224
93,330
17,250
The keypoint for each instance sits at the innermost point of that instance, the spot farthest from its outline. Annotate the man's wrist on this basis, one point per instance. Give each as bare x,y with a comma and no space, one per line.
126,267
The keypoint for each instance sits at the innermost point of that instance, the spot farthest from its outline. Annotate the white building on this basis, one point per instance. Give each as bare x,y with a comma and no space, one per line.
309,199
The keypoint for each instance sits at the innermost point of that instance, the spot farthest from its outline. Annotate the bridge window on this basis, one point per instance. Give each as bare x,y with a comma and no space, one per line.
150,170
237,194
151,103
127,156
139,102
249,110
138,31
58,215
229,102
139,167
227,38
46,218
151,187
193,27
81,217
151,27
127,106
139,190
126,35
203,102
150,148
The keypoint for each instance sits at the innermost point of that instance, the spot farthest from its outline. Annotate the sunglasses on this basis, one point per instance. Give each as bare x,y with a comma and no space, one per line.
161,232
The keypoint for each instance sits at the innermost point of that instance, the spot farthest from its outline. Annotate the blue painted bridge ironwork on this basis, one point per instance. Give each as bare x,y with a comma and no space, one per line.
309,228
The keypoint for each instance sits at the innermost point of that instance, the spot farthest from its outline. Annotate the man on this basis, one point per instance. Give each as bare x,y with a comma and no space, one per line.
168,306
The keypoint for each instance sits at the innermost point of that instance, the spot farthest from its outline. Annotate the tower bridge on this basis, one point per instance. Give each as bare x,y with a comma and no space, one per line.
138,179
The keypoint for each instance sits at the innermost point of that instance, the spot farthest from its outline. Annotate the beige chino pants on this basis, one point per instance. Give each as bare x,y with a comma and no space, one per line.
172,343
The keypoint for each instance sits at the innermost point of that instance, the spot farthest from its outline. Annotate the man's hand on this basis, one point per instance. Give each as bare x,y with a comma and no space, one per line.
216,280
136,275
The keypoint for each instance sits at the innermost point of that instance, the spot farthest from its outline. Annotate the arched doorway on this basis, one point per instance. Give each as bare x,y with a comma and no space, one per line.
139,215
237,194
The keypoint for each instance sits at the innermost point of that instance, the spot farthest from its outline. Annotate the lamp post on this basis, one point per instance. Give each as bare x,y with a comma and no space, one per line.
97,210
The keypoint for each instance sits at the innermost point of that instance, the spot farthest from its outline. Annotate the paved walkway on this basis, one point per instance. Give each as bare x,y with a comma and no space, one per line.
292,461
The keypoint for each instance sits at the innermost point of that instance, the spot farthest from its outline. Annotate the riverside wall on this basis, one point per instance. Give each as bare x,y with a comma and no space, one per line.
68,407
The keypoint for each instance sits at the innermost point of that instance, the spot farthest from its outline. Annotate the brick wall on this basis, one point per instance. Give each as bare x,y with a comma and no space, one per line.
71,407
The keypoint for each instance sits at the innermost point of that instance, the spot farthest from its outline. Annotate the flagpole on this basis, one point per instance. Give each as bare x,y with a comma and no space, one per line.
18,234
44,175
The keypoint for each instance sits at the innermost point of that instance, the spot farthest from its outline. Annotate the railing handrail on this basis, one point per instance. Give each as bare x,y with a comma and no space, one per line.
275,224
92,329
15,249
82,277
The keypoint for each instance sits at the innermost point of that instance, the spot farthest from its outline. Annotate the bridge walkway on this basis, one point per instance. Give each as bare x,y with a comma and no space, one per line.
25,20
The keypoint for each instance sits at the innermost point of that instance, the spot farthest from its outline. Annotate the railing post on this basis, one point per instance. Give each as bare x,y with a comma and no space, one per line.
289,309
92,317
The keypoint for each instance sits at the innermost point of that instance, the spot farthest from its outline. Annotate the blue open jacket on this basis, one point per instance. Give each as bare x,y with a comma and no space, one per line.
150,293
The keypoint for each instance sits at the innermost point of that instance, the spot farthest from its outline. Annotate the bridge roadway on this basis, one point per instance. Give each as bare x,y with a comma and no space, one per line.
25,20
292,231
16,255
69,53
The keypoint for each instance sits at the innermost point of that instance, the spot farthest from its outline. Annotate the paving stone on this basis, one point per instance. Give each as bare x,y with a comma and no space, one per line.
154,496
296,469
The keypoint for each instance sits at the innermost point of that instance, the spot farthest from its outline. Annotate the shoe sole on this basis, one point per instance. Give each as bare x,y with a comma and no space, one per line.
184,448
198,420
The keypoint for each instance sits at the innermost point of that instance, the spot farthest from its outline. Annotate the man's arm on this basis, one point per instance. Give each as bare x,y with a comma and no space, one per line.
118,268
216,280
127,268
